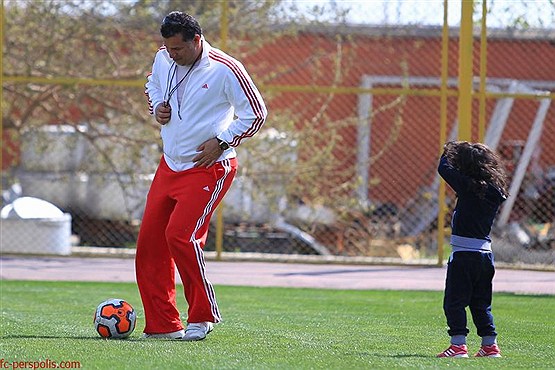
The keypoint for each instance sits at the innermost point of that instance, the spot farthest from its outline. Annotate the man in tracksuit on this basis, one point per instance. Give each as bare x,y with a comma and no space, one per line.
207,105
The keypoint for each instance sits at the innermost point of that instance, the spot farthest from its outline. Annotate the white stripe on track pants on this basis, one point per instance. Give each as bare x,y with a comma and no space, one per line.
173,233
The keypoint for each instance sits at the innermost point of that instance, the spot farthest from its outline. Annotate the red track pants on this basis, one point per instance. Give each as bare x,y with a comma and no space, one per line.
173,232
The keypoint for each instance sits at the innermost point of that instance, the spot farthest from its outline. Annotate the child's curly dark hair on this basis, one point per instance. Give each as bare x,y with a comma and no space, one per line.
478,161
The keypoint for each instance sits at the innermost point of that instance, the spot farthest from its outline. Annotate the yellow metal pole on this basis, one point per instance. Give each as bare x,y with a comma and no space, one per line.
483,73
220,210
442,132
224,25
1,77
465,71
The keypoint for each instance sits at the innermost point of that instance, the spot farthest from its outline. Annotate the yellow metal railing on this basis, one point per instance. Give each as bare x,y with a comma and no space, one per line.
283,88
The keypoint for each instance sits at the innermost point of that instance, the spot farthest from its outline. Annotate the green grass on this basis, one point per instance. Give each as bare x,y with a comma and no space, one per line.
271,328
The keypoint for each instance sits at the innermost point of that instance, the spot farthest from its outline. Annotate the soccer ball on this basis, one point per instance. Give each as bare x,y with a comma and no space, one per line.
114,318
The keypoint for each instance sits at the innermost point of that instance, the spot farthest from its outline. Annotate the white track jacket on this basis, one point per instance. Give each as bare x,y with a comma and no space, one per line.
219,100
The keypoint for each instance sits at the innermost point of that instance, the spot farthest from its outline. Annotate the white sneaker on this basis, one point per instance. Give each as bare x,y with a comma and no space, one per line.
173,335
197,330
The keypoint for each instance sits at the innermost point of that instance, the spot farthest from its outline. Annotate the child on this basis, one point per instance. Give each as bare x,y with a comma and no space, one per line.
475,173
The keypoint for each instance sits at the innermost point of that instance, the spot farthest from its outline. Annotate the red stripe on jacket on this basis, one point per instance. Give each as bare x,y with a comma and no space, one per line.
149,101
249,93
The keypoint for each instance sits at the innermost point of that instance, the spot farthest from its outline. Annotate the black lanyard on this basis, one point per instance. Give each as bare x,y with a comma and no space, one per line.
170,91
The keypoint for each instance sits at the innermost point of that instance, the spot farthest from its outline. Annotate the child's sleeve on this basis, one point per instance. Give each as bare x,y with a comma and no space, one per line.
452,176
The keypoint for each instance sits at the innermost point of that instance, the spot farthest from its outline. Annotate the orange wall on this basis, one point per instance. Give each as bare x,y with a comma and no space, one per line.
412,159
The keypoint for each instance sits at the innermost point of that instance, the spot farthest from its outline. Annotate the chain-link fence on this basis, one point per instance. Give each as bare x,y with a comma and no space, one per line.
346,163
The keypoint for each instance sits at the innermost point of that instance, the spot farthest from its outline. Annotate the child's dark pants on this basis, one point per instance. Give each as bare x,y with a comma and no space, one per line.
469,283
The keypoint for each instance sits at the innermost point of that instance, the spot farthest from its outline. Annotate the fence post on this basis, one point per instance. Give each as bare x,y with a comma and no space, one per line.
219,210
1,63
483,74
442,132
465,70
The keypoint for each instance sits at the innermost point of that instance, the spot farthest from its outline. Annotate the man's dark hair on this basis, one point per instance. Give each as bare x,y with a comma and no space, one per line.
180,23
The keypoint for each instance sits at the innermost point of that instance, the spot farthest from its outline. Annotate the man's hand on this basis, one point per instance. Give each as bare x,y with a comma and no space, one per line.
163,113
209,153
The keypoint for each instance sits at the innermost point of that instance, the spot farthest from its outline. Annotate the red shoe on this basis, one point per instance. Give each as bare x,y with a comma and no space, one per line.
455,351
489,351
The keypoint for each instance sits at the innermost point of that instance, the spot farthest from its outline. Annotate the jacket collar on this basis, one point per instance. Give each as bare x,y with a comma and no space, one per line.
206,47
